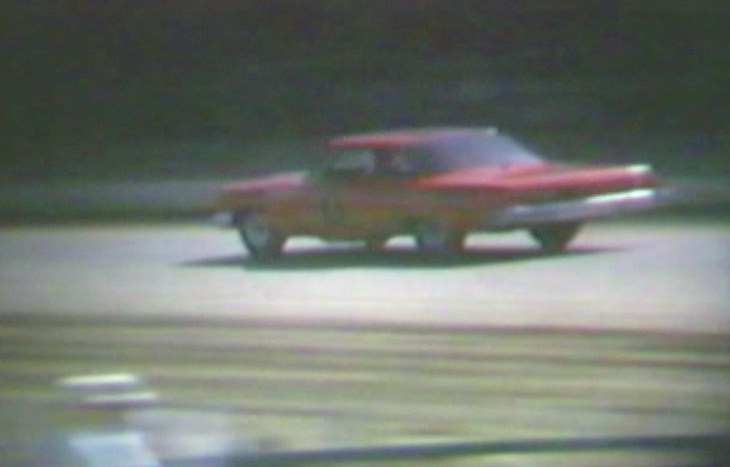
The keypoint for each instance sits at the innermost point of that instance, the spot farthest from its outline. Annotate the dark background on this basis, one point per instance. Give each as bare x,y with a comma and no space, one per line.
179,87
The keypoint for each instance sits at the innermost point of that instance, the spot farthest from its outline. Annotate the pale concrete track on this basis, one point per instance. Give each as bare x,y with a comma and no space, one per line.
651,276
626,335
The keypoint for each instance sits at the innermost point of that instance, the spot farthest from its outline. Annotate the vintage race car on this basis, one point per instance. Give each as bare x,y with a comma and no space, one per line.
437,185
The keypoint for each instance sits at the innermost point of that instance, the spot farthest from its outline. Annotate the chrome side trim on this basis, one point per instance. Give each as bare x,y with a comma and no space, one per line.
592,207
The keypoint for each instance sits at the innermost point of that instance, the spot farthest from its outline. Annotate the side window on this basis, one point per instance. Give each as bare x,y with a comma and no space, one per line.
352,163
405,162
392,163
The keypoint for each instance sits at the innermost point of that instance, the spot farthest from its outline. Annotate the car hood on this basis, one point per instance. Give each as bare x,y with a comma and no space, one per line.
545,177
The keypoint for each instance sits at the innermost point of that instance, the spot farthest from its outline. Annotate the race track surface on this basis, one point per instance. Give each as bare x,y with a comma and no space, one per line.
670,276
331,346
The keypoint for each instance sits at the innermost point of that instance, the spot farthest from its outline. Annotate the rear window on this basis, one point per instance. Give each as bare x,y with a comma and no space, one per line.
465,152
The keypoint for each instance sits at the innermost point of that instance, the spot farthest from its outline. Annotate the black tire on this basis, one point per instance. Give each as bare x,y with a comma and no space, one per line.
375,243
554,238
261,241
437,239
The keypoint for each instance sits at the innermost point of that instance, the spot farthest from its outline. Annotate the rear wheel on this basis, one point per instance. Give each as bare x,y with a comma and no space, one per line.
376,243
261,241
554,238
436,238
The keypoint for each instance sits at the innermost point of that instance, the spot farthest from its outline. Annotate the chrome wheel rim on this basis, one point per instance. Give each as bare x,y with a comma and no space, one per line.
256,232
432,238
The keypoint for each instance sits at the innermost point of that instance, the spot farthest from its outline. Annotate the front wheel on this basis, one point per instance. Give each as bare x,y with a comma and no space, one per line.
261,241
554,238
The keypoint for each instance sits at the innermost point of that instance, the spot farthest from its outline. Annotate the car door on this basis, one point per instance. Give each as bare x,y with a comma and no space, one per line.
367,205
361,197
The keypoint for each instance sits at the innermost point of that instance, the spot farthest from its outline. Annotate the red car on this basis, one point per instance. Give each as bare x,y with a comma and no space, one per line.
437,185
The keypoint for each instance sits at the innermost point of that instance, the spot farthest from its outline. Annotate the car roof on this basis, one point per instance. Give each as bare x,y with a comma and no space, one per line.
393,139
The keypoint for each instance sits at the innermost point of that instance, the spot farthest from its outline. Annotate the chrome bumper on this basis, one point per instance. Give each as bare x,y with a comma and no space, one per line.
593,207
